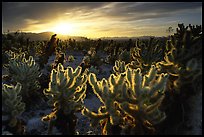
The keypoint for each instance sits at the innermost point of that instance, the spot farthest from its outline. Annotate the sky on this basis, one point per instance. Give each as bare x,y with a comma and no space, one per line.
100,19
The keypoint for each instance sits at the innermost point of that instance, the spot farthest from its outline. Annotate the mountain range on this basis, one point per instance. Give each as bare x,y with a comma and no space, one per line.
47,36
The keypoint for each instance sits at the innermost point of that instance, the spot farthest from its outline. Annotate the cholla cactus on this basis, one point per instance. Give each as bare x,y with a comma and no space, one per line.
113,53
131,101
146,54
10,54
108,114
119,67
17,56
87,60
184,51
189,75
7,55
194,66
60,58
94,70
125,56
91,51
143,96
65,93
107,59
184,45
12,105
26,72
70,58
93,58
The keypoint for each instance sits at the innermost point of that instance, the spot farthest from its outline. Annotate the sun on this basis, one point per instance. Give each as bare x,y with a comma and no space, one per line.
63,28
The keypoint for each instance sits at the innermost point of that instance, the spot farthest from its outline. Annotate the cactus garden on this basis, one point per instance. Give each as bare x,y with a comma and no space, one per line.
139,86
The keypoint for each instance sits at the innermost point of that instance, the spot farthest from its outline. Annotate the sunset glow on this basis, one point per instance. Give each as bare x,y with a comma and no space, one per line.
64,29
100,19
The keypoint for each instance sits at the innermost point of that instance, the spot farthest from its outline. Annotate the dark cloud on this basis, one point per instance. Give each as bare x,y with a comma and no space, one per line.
40,10
158,6
136,11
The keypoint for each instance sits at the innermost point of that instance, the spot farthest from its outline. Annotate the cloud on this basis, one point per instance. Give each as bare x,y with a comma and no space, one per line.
99,16
43,9
136,11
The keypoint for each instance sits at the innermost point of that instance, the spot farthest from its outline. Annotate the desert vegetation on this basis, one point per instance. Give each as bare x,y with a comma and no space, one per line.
102,87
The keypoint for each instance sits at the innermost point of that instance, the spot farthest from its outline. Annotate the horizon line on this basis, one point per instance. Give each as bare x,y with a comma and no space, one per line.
64,35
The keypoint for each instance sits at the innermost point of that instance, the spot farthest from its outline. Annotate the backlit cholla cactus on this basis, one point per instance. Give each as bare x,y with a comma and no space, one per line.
195,67
87,60
13,55
92,58
142,98
70,58
24,71
119,67
131,101
12,105
183,59
109,115
94,70
65,93
184,45
125,56
146,54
